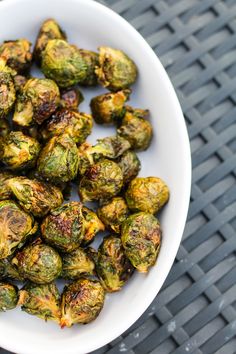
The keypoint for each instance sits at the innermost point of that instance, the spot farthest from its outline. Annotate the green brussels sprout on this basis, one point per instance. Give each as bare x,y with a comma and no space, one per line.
7,89
49,30
63,63
113,212
5,190
102,181
38,99
64,227
9,271
4,128
71,98
116,70
58,161
19,83
15,225
113,267
19,151
91,60
136,129
130,165
147,194
141,239
38,263
36,197
92,225
41,300
82,301
75,264
109,108
8,296
17,54
77,125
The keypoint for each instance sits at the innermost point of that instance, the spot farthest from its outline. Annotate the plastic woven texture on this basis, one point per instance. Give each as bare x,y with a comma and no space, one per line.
195,312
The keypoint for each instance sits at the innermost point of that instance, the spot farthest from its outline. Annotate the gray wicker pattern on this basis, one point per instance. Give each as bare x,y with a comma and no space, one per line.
195,312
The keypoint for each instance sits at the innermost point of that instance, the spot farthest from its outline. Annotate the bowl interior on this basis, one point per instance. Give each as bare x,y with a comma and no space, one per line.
89,25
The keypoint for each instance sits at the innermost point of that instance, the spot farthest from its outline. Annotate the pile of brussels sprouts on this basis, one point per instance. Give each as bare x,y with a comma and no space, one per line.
43,151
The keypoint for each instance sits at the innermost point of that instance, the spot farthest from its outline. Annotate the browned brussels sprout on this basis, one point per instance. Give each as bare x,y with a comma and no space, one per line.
36,197
58,161
38,99
19,151
38,263
141,239
130,165
77,125
92,225
17,54
113,212
8,296
147,194
82,301
15,225
64,227
9,271
5,190
109,108
75,264
42,301
4,128
116,71
71,98
136,129
102,181
7,89
49,30
19,83
91,61
63,63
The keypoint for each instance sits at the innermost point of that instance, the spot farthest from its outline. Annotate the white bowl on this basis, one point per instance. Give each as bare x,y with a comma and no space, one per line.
89,24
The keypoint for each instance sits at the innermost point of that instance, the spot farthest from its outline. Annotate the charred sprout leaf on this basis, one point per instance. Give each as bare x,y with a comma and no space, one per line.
113,267
64,227
42,301
147,194
130,165
49,30
141,239
75,264
5,190
91,60
19,83
36,197
71,98
102,181
4,127
8,296
15,225
109,108
63,63
113,213
58,161
92,254
17,54
116,71
77,125
82,301
7,89
36,102
92,225
38,263
19,151
9,271
136,129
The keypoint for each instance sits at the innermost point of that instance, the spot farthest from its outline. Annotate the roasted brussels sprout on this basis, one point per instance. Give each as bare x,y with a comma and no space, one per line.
9,271
36,197
91,60
102,181
19,83
130,165
58,161
109,107
42,301
19,151
49,30
4,128
63,63
75,264
15,225
36,102
136,129
113,267
64,227
38,263
141,239
92,225
82,301
5,190
8,296
7,89
116,71
147,194
77,125
71,98
17,54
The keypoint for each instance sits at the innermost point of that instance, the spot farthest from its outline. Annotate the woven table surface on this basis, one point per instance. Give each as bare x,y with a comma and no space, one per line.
195,312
